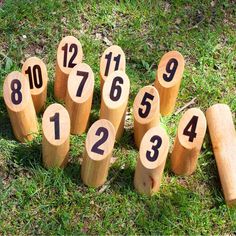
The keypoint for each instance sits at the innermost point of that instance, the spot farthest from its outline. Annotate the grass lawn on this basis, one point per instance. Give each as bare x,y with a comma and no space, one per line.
34,200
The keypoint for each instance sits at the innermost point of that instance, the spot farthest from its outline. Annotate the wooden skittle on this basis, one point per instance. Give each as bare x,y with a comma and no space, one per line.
97,153
169,74
69,54
188,142
79,97
146,112
20,107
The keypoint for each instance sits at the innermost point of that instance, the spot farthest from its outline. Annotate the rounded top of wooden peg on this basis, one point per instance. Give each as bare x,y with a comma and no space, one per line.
36,72
192,128
154,147
80,83
69,53
170,69
100,139
146,104
113,58
115,90
56,124
16,91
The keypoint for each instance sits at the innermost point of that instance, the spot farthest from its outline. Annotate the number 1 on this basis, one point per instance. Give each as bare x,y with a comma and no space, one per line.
55,119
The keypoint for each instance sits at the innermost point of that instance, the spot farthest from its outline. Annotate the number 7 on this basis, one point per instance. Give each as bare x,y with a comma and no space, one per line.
81,86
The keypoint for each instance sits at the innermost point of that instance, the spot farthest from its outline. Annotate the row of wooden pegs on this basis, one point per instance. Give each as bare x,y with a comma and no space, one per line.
25,95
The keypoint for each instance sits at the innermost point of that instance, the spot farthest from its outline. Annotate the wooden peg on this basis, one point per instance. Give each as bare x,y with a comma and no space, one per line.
69,54
169,74
56,136
223,138
79,97
97,153
188,142
151,162
20,107
114,101
36,72
146,112
112,59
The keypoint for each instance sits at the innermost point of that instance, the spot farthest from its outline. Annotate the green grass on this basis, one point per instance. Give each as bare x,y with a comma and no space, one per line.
34,200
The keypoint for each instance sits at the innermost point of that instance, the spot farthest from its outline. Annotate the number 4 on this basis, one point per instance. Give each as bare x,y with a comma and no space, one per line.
190,129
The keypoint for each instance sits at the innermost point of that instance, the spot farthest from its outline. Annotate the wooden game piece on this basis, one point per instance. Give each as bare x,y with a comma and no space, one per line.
69,54
168,79
79,97
151,162
56,136
36,72
114,101
112,59
20,107
97,153
223,138
188,142
146,112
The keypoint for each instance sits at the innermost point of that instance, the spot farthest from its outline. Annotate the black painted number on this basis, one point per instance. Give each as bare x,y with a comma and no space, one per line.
35,78
73,48
16,95
85,75
157,141
190,129
116,59
55,119
145,112
101,131
170,69
116,89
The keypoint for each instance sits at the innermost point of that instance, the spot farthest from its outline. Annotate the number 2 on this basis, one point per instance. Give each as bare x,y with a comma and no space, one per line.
190,129
55,119
171,69
85,75
152,156
144,113
104,132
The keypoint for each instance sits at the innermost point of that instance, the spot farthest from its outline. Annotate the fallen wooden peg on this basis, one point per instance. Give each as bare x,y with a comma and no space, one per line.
112,59
56,136
114,101
97,153
20,107
188,142
168,78
151,162
79,97
223,138
36,72
146,112
69,54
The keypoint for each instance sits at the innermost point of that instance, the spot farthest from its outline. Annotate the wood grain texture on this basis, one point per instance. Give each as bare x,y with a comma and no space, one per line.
146,110
79,97
151,161
22,114
55,149
223,138
37,69
116,62
186,148
168,84
96,159
114,106
64,64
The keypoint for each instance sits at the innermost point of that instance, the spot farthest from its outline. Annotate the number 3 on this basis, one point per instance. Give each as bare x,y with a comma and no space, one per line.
152,156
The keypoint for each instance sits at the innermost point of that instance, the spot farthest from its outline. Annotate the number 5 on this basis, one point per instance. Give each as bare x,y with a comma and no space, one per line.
144,113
